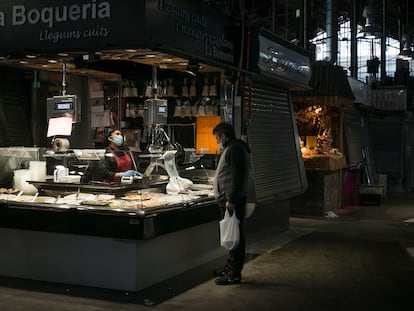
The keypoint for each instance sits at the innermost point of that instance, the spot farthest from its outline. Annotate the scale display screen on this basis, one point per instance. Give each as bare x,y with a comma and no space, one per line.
59,106
63,106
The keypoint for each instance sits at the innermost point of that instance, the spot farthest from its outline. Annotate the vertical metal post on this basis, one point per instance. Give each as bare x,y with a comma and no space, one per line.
154,81
35,108
64,78
354,42
331,31
274,16
383,42
119,102
305,24
286,19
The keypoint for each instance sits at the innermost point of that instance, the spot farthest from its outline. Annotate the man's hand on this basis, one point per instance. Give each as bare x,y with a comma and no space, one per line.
230,207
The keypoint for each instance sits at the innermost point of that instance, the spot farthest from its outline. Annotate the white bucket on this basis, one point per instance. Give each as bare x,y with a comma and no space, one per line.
20,182
37,170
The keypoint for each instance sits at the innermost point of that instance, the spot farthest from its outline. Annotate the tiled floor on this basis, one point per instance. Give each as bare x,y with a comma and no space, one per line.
357,261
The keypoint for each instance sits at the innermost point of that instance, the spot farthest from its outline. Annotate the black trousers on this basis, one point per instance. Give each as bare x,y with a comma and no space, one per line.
237,255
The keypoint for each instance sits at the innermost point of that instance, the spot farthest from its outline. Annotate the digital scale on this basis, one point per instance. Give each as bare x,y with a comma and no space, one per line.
63,105
155,111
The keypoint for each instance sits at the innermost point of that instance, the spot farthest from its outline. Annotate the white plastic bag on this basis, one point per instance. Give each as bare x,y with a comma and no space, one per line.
229,231
178,184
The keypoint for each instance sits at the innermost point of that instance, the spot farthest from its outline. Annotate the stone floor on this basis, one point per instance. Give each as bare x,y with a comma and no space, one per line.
359,258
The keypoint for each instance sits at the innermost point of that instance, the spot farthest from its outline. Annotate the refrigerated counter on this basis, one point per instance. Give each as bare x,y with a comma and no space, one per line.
127,241
121,218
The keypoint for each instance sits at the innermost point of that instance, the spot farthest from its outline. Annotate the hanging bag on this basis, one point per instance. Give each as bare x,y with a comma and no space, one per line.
251,193
229,231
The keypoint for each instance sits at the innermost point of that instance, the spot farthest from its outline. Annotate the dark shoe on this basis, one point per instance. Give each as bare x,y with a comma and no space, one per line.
221,272
229,279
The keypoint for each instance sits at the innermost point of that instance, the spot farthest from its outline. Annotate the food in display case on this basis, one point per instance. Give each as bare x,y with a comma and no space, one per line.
147,192
25,198
139,197
45,199
8,190
133,199
7,197
96,202
137,204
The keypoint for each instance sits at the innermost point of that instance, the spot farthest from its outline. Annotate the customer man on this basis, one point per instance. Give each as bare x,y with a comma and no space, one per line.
230,189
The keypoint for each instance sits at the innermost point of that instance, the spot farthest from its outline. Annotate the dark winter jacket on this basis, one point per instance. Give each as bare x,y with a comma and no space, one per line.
231,177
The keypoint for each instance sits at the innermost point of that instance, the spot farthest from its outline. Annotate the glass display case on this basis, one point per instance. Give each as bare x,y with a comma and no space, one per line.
93,207
79,233
12,159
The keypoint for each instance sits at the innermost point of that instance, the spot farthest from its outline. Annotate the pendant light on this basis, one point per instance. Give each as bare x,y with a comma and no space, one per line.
406,51
370,30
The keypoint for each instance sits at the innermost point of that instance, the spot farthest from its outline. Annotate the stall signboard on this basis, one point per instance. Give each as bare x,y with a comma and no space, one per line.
49,25
194,28
384,99
389,99
281,59
361,91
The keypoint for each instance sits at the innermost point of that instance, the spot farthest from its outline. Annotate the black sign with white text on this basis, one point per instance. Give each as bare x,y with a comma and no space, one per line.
280,59
191,27
48,25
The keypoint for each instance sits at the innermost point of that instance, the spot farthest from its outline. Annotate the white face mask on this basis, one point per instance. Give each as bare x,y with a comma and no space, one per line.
220,141
118,140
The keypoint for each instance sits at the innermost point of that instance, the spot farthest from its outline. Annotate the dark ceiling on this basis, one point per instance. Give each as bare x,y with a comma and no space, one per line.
285,17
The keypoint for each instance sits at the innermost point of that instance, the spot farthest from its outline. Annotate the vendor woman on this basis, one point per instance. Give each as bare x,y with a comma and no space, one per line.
118,162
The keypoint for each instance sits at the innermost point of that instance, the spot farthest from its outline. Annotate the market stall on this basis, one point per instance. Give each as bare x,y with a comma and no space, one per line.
106,67
164,72
276,69
319,117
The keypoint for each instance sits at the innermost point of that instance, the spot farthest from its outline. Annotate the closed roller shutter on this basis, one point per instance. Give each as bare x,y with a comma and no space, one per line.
352,128
356,134
387,145
15,113
277,162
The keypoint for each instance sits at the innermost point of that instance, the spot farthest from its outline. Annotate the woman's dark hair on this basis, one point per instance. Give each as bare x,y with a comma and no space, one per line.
226,129
108,134
107,142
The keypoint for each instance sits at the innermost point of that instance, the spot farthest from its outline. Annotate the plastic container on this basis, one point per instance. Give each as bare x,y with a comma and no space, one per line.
37,170
20,179
71,179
